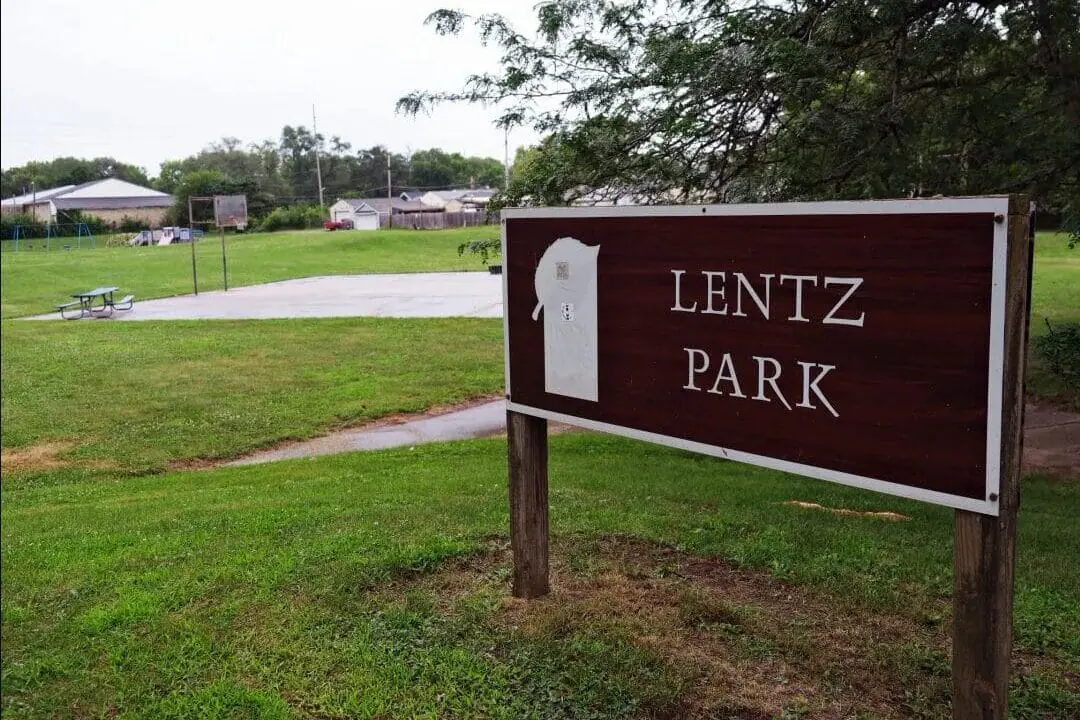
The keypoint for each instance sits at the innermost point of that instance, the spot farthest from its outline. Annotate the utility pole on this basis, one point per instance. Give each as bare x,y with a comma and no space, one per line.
318,167
389,194
506,158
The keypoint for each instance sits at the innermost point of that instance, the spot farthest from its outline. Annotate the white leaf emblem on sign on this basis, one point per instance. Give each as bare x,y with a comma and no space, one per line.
570,325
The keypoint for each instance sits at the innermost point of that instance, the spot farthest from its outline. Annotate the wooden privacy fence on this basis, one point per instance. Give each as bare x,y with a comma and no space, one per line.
439,220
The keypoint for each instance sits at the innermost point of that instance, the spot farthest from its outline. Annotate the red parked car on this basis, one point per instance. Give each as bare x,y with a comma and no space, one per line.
338,225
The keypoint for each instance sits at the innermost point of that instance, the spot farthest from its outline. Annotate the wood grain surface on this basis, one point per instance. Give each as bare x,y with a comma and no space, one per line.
909,386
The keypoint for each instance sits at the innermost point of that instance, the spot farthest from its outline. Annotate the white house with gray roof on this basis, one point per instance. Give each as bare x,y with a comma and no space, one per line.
357,211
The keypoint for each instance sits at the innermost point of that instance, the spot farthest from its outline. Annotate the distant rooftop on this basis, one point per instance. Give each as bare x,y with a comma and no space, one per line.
108,193
37,196
380,204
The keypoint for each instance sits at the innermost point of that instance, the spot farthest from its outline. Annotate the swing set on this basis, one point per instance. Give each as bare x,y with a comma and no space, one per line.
22,237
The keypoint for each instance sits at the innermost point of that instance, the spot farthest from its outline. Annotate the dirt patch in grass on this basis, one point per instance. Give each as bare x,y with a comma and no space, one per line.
42,457
748,645
844,512
45,457
193,465
1051,441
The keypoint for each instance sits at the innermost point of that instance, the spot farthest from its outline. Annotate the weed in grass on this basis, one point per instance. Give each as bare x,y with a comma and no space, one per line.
700,609
1035,698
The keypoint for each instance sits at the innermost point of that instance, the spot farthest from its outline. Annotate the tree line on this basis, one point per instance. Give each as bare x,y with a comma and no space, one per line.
275,173
66,171
272,173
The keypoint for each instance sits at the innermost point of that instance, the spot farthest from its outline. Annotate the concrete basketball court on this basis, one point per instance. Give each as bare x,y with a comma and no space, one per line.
452,294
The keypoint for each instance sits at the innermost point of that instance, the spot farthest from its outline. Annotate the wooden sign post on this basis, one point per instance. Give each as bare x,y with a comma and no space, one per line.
875,344
526,439
984,549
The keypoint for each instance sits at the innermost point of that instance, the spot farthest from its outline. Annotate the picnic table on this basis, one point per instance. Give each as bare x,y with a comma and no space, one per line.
85,301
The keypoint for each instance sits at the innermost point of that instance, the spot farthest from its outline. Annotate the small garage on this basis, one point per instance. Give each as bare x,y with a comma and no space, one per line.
355,210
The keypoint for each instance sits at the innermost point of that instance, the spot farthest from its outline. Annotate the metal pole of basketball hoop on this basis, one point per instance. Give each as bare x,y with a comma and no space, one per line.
191,229
224,268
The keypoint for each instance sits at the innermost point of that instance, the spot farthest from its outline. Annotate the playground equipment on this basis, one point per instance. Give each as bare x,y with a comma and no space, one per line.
165,236
22,239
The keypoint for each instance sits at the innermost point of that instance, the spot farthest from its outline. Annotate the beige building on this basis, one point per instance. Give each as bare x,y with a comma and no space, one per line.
34,203
110,200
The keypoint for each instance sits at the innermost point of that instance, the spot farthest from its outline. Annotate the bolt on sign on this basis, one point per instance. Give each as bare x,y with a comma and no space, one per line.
854,342
875,344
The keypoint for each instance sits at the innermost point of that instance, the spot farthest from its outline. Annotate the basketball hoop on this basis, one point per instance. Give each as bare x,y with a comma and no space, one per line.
230,211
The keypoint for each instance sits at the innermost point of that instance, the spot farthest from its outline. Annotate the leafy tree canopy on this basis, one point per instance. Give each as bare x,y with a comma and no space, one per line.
695,100
283,171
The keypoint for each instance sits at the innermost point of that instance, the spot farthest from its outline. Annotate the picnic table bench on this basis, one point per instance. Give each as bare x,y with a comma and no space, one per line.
85,303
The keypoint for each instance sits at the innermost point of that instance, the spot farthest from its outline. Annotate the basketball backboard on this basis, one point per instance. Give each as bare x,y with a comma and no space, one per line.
231,211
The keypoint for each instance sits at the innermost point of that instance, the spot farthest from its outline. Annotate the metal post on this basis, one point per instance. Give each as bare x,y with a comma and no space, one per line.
191,223
389,195
224,269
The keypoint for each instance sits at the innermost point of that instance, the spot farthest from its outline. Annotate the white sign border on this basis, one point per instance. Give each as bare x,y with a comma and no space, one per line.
996,205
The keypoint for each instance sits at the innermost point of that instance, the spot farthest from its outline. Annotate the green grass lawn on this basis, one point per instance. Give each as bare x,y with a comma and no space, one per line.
375,586
35,282
134,396
1055,291
1055,301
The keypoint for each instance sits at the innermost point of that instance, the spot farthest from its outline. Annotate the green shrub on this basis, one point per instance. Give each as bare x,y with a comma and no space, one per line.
30,227
486,249
132,225
295,217
1059,349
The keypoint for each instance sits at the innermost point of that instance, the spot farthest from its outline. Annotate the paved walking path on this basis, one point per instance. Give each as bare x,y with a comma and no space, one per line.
477,421
448,294
1051,441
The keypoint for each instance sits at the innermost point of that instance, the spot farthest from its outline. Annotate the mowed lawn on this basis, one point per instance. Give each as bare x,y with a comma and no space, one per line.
1055,301
35,282
1055,291
87,398
376,586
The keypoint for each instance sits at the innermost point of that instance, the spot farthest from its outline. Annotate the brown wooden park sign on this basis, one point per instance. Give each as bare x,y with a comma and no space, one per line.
875,344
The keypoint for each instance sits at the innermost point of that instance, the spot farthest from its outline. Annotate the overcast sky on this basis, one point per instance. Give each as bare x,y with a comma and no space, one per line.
146,80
